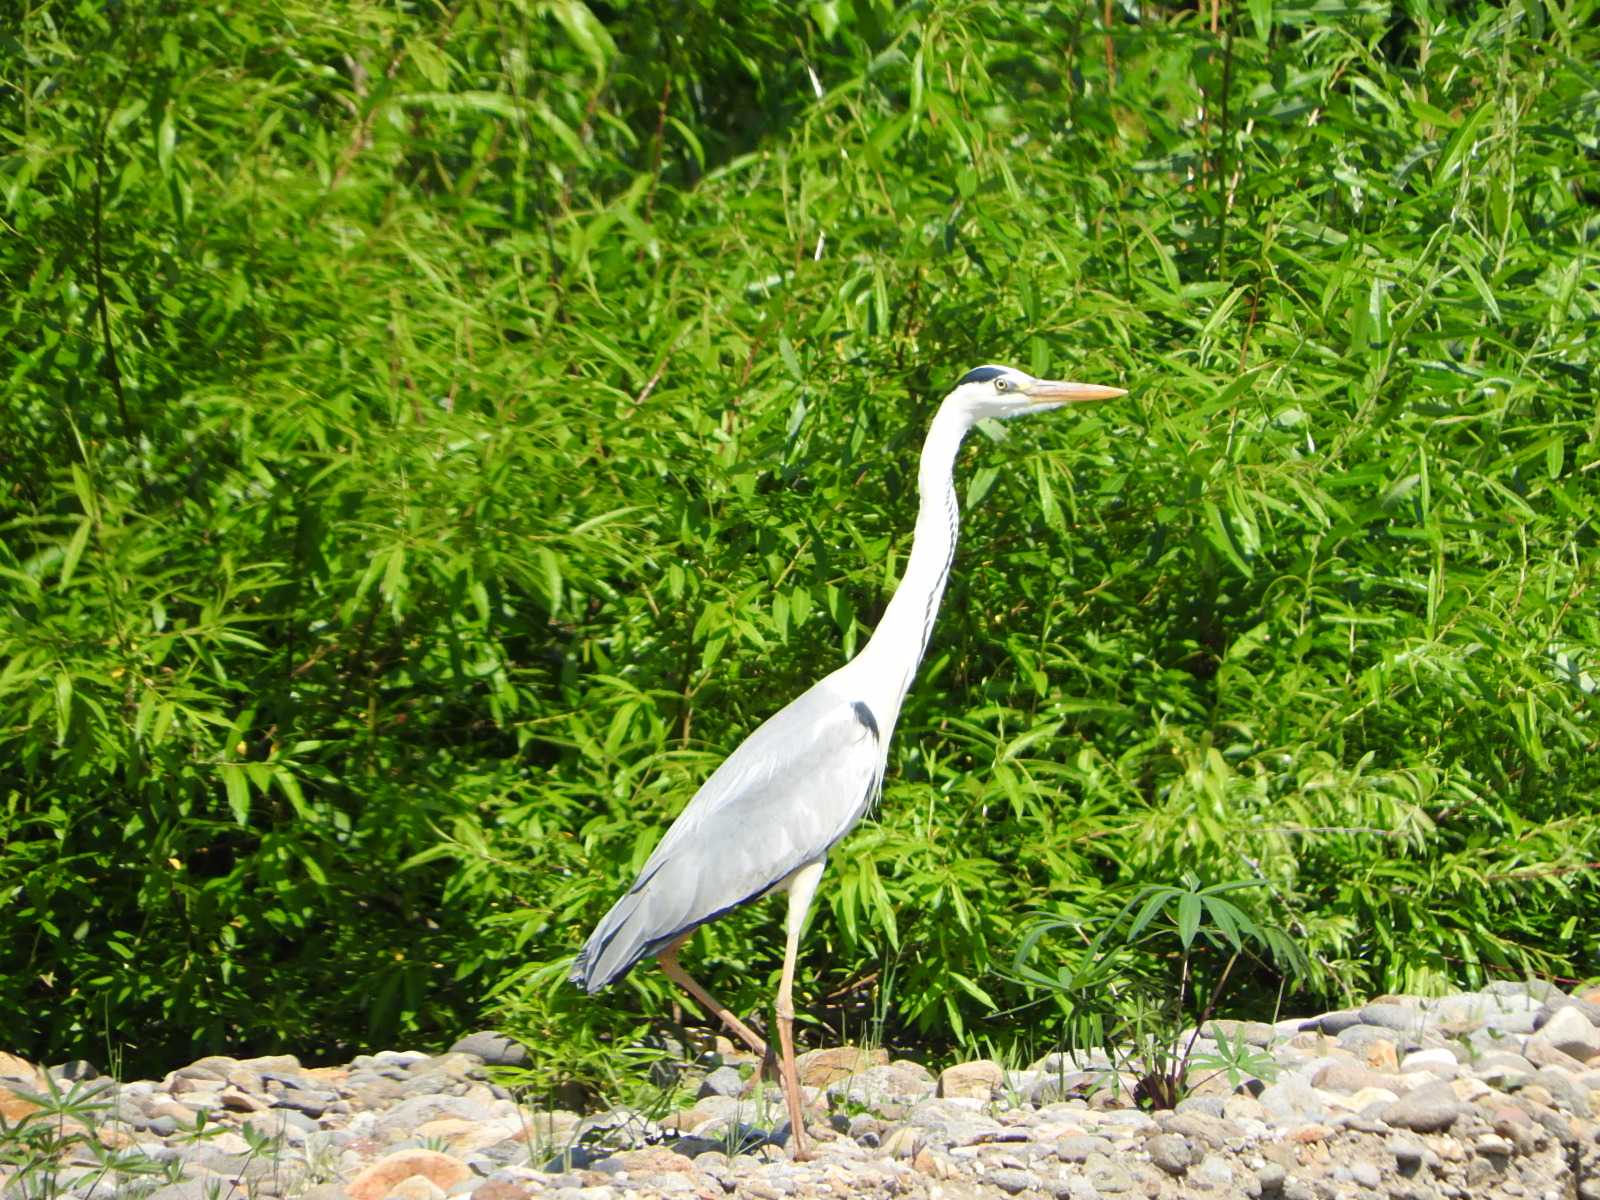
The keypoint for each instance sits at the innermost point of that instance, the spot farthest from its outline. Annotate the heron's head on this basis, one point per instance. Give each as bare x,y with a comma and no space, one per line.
995,391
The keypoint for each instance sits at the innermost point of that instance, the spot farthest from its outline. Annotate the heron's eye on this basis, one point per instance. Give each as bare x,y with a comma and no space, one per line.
1002,384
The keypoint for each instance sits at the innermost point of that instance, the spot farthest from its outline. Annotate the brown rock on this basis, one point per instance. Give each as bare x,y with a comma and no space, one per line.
1542,1053
501,1189
978,1080
416,1187
462,1135
903,1141
655,1160
1358,1100
187,1085
1305,1134
236,1101
1350,1077
819,1068
13,1107
1430,1109
1243,1108
21,1070
935,1165
378,1179
1380,1055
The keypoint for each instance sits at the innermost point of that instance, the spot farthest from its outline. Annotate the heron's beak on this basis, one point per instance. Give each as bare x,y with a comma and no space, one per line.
1064,391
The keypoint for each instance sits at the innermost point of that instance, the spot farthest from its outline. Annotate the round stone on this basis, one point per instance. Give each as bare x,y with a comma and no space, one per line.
496,1049
1170,1152
1429,1109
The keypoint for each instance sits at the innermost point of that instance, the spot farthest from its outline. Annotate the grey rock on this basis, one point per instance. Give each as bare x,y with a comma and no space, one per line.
575,1158
724,1081
308,1103
1407,1154
1556,1125
1107,1176
373,1092
1012,1180
1050,1088
1128,1118
1255,1033
1465,1008
1394,1016
1335,1023
1565,1089
1080,1147
867,1129
1214,1172
1170,1152
1365,1174
1213,1132
1501,1060
1022,1083
665,1183
291,1126
495,1049
898,1081
1349,1077
1270,1179
1428,1109
1210,1106
398,1120
1541,1052
1537,988
1365,1121
1293,1100
1358,1038
76,1071
1507,1024
1436,1060
1060,1062
1569,1030
406,1060
1073,1186
186,1189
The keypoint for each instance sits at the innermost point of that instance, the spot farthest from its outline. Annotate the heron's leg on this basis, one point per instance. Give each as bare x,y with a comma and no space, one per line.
802,887
668,959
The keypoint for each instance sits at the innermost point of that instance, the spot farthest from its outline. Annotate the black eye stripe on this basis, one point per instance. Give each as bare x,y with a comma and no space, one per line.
980,375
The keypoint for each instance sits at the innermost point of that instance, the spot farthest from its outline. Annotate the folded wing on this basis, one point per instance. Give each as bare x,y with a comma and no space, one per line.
791,790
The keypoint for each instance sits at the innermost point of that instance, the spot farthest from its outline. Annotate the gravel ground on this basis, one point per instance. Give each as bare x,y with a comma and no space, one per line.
1479,1094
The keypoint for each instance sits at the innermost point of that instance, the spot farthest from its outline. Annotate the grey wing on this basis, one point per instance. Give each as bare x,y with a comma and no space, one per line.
790,791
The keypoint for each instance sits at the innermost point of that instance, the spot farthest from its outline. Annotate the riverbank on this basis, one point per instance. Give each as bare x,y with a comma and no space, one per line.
1481,1094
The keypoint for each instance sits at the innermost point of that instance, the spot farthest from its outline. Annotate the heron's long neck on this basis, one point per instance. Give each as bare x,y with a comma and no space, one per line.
889,659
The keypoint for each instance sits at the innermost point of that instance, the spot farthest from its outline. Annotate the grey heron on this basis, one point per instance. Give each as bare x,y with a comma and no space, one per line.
766,818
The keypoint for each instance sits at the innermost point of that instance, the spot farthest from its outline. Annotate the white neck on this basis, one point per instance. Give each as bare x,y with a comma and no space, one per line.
884,669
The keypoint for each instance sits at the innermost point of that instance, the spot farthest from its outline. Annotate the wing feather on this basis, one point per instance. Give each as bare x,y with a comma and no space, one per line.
791,790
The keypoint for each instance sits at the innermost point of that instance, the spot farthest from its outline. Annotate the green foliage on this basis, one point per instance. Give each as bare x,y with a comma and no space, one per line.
53,1149
1132,986
433,435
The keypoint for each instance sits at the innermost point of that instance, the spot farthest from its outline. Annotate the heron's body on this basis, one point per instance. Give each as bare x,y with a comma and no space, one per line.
768,816
766,790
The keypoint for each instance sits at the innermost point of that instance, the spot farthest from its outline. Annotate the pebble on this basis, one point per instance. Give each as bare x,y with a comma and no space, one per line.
1431,1108
1478,1094
1170,1152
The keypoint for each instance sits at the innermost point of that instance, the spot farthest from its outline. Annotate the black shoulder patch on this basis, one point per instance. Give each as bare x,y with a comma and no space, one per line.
980,375
864,715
